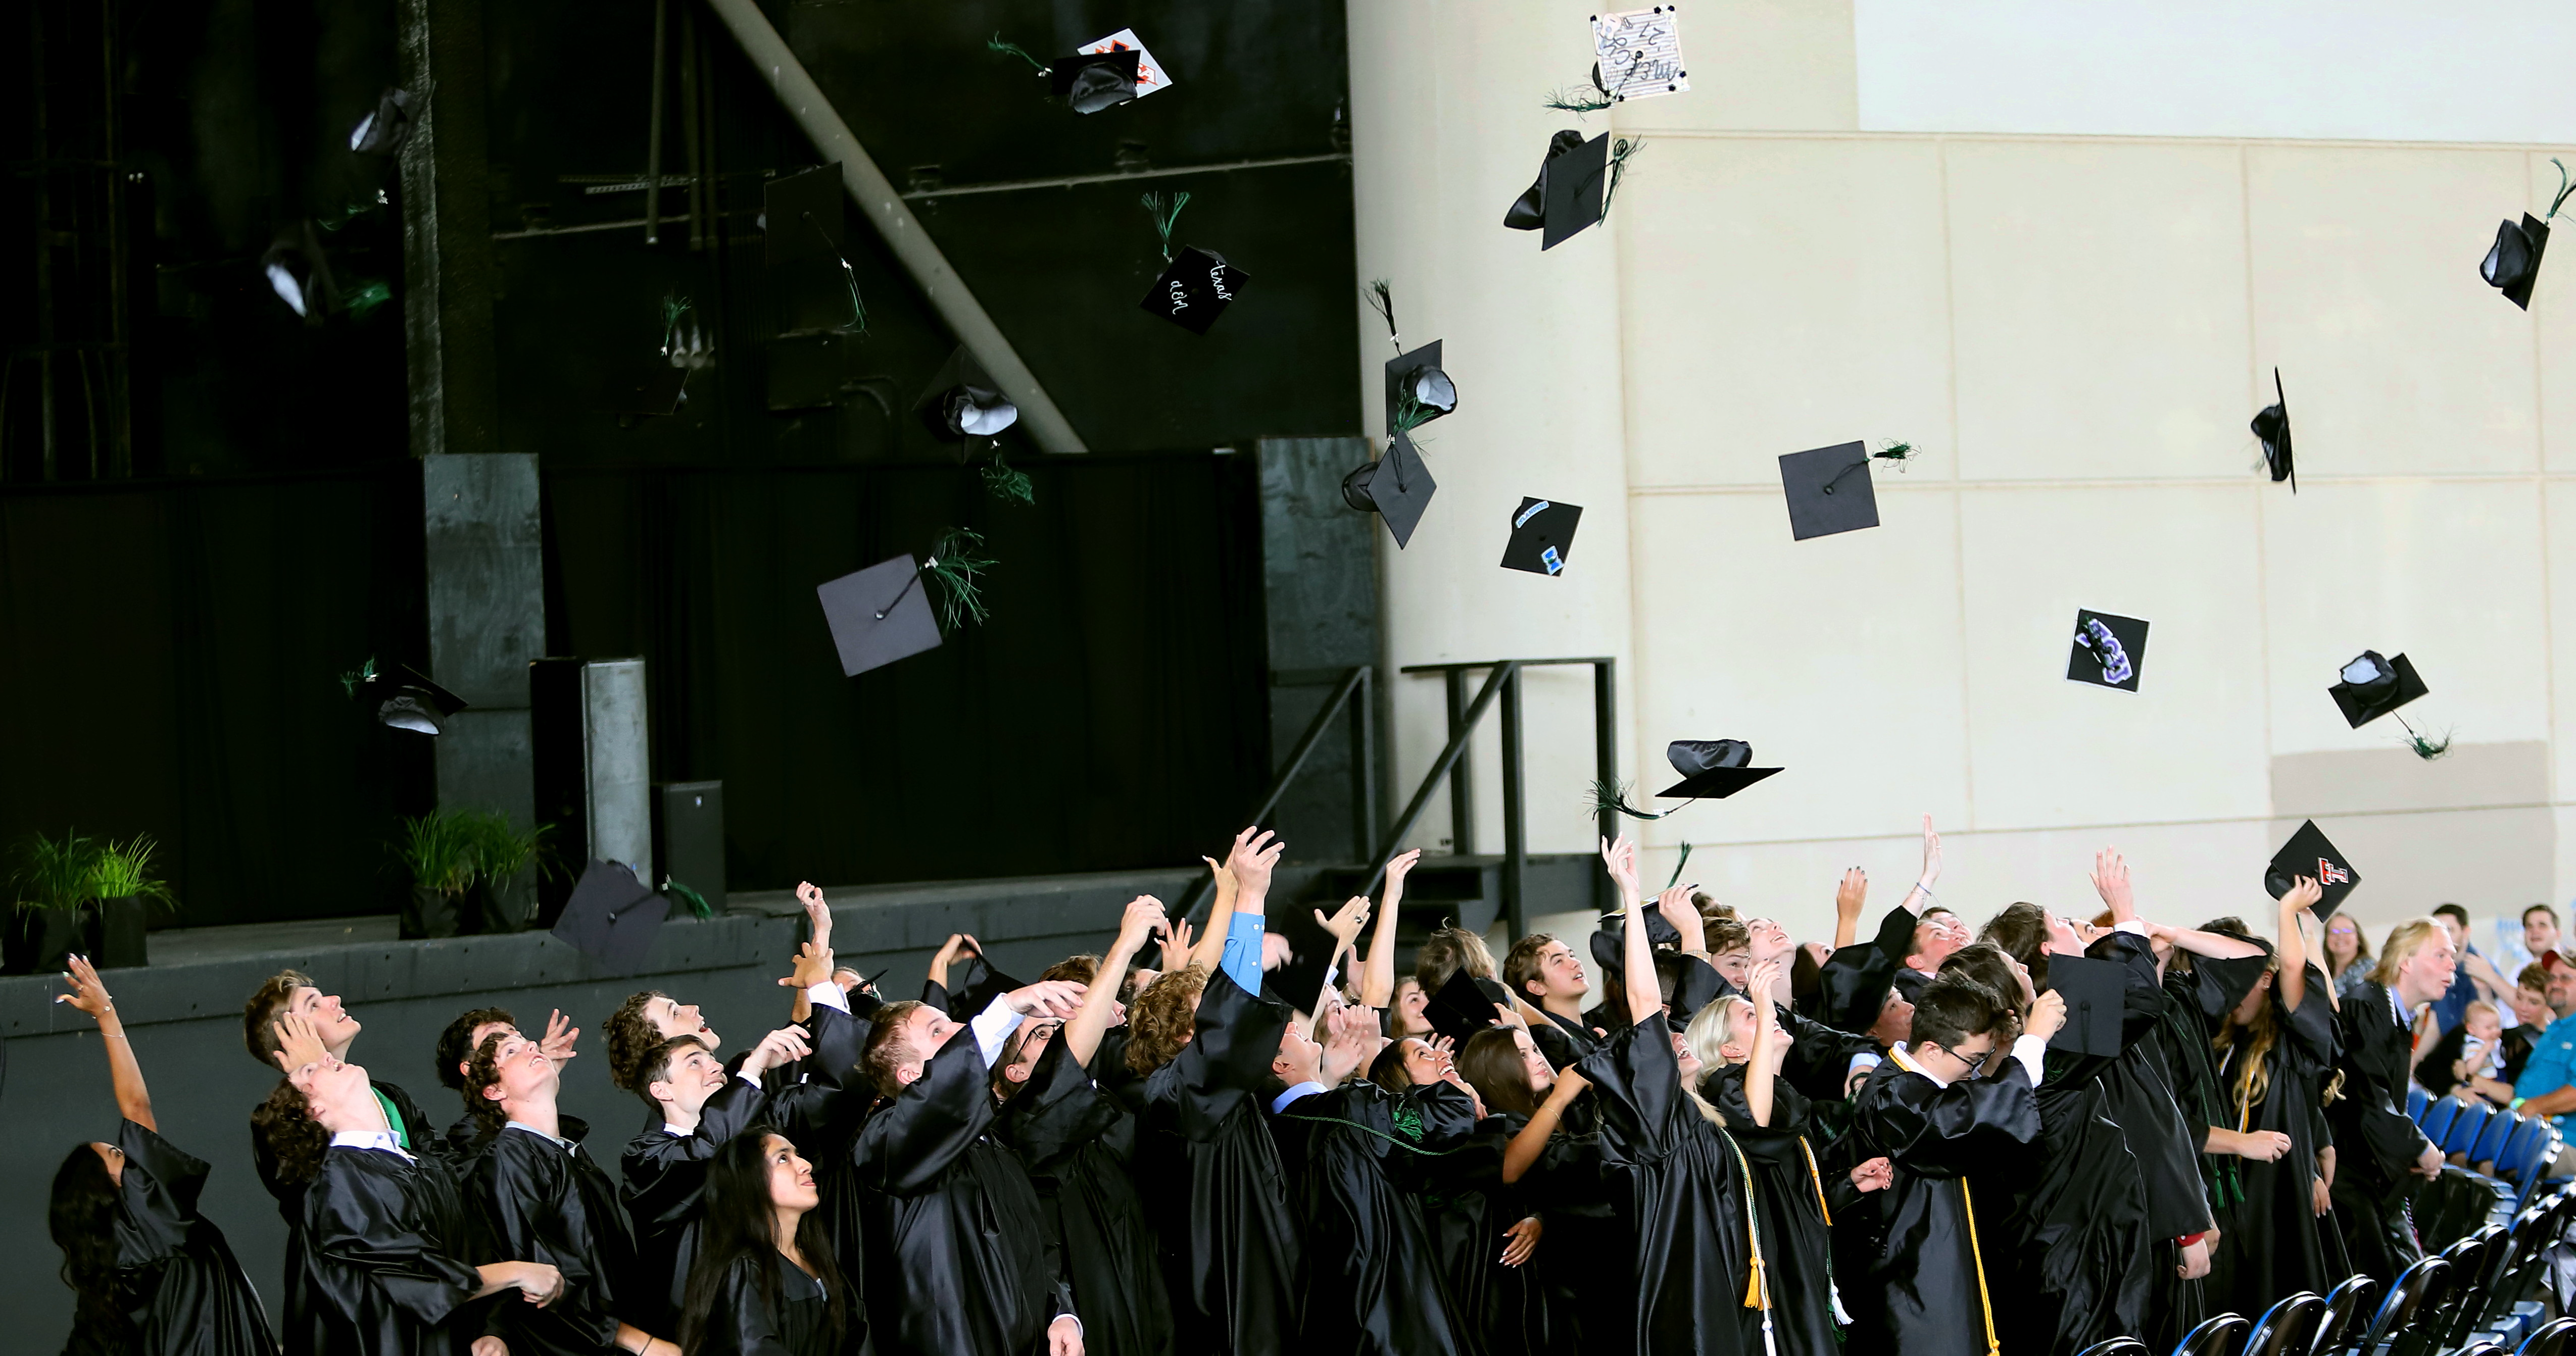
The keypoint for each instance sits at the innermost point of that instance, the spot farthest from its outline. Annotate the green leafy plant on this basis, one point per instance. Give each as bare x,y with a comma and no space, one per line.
53,873
497,851
438,850
124,870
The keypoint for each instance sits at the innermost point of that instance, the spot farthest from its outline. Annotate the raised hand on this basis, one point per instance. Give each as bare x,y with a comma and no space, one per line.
1759,985
1047,998
1226,886
1346,922
2301,897
1524,1241
2111,881
87,993
1400,866
813,966
777,1050
560,1034
2047,1015
1176,944
1878,1174
297,1043
1256,851
1674,903
1137,926
817,913
1619,855
1852,894
1931,855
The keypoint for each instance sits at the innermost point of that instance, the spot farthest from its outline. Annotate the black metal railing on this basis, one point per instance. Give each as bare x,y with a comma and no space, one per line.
1352,691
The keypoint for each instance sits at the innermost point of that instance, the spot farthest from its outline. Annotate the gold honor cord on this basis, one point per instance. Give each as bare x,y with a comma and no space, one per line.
1757,1291
1818,1179
1976,1252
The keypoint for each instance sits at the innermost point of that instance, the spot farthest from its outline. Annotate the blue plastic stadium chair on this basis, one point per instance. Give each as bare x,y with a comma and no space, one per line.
2436,1120
2465,1126
2490,1142
2418,1101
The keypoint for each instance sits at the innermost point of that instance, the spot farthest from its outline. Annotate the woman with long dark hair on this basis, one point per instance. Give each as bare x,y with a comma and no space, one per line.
150,1274
763,1283
2275,1054
1483,1233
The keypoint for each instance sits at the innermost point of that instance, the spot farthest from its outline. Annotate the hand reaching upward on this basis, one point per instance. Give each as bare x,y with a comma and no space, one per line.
1619,856
1931,855
2111,881
1256,851
1851,895
818,915
1346,922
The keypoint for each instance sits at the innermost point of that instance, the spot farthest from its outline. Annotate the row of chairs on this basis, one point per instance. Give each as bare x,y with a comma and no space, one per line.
2476,1298
2520,1148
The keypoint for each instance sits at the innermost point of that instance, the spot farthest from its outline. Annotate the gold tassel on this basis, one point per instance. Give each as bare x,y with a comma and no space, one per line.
1977,1254
1757,1290
1818,1179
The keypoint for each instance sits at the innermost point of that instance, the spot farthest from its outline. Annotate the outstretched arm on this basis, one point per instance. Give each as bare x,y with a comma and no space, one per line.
2294,943
1344,925
1377,976
1255,853
1082,1034
1920,897
1526,1146
1645,998
1676,907
1211,945
133,1101
2215,945
1758,1073
1849,898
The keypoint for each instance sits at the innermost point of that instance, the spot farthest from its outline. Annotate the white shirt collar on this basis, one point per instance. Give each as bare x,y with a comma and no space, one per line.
369,1139
566,1145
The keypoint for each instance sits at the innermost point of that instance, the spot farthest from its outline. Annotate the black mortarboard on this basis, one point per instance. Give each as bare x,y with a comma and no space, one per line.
1542,536
1464,1006
1396,487
1829,490
2095,991
1610,948
1577,188
384,131
879,615
611,917
1712,769
1418,375
963,401
1528,212
404,700
1194,289
1092,81
2273,427
2372,686
2512,264
2309,854
2108,651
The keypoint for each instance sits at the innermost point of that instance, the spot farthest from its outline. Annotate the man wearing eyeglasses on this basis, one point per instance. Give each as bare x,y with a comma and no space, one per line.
1941,1109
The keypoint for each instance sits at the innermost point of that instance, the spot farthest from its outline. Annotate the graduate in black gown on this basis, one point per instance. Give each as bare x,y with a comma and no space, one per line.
764,1282
468,1136
151,1274
1956,1101
1503,1284
287,1023
395,1260
2379,1153
2274,1056
542,1195
1077,1142
701,1107
2208,974
1740,1043
957,1259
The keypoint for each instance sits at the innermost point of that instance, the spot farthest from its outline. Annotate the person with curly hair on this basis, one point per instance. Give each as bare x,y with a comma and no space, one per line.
467,1137
150,1274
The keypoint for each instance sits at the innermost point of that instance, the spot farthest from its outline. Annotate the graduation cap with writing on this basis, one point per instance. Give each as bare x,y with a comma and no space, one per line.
2108,651
879,615
2095,991
1396,487
1712,769
612,917
2272,426
402,699
1829,490
1542,536
2309,854
1196,285
1638,53
963,401
2512,264
1466,1005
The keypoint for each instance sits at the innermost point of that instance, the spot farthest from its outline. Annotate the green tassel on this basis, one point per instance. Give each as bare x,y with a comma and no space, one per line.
674,306
1612,797
1007,484
2564,188
996,45
1620,150
1165,211
954,563
1677,867
368,297
364,673
1578,102
1382,301
1410,412
1900,453
687,898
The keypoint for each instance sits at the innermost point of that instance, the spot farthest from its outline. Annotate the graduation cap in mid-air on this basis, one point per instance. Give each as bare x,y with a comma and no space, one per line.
1712,769
1829,490
2109,651
1466,1005
1542,536
1091,81
2512,264
402,699
384,130
2371,685
1637,53
963,401
612,918
1417,390
1575,183
2309,854
2272,426
1397,487
879,615
2095,992
1194,289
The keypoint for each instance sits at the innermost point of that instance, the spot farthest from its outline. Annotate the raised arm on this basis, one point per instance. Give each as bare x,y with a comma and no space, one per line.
1344,925
1676,907
1136,928
1239,952
1211,945
2215,945
1758,1073
1531,1141
133,1101
1920,897
818,919
1645,998
1377,975
1849,899
2294,943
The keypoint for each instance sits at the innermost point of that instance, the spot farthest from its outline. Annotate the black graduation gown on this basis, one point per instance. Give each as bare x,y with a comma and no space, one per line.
1789,1199
815,1100
544,1204
2376,1142
1685,1202
954,1242
1076,1141
1373,1283
176,1276
1228,1243
2269,1245
1910,1267
743,1321
1505,1310
1563,1040
2197,1002
1852,984
298,1314
465,1141
666,1179
390,1251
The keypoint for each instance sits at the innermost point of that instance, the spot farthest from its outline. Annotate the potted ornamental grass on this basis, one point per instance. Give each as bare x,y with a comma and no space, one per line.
123,891
49,881
503,857
438,851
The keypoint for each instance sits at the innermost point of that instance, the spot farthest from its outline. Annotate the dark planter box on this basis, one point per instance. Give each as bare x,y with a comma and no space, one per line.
116,932
429,913
40,941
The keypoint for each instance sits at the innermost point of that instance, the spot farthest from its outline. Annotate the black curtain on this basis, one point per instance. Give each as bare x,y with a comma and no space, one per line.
1111,714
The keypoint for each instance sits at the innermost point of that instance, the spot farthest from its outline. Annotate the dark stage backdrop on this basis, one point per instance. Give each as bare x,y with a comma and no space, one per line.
170,654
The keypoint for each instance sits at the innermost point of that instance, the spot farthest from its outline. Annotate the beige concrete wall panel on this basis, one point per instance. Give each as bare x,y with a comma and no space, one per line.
1754,64
1781,294
2102,312
2189,744
2450,573
1839,658
2394,781
2553,309
2489,861
2397,357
